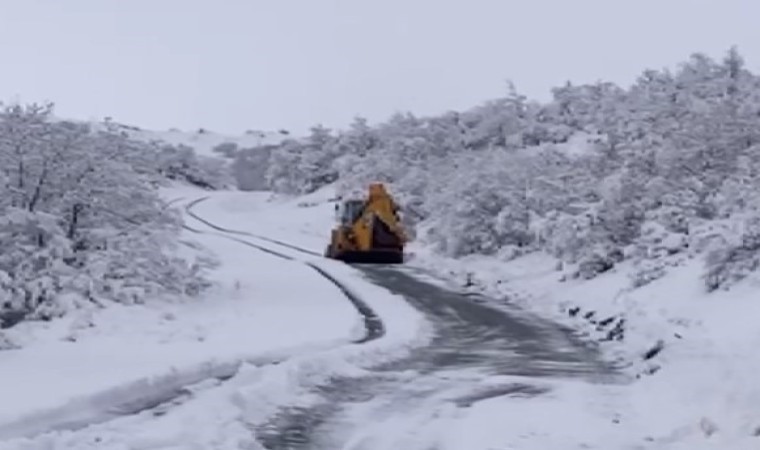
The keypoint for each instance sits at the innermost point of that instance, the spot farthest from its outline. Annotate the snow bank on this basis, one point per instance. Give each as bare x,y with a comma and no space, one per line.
692,354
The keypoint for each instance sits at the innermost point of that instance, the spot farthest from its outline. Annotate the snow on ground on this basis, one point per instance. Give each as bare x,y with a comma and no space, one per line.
254,309
536,415
699,391
262,309
437,422
303,221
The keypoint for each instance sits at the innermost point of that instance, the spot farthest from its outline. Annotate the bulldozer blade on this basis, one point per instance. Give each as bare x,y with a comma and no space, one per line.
371,257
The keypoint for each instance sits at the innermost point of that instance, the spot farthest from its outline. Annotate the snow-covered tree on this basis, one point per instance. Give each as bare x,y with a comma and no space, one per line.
250,166
183,164
81,222
598,174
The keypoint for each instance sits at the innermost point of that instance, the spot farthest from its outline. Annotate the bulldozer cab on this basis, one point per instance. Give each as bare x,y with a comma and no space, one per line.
349,211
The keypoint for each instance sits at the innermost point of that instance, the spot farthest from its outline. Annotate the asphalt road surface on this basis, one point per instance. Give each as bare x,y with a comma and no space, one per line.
472,343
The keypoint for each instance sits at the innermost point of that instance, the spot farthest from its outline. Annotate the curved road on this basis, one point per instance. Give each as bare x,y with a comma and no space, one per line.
473,344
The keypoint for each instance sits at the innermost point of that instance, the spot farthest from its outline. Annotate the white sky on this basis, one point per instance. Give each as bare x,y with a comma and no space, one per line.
231,65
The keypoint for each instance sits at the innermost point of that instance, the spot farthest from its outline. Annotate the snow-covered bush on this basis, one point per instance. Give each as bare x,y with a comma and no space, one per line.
183,164
734,257
483,210
656,250
565,236
81,222
250,166
226,149
32,262
303,166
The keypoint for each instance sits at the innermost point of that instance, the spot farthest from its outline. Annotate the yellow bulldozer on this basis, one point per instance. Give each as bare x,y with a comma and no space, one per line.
368,230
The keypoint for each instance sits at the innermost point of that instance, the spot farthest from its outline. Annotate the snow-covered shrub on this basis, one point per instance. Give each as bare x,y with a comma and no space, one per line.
647,271
579,239
250,166
597,259
81,222
183,164
482,210
735,257
655,251
141,264
303,166
32,262
226,149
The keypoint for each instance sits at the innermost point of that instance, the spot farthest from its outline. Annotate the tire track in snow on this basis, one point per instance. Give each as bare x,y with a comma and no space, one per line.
161,393
189,210
373,324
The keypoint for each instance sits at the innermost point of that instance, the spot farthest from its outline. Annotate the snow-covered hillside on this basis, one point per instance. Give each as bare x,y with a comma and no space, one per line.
208,159
202,141
691,354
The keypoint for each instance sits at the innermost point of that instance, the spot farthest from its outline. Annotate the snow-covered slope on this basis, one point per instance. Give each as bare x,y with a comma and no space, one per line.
692,354
203,141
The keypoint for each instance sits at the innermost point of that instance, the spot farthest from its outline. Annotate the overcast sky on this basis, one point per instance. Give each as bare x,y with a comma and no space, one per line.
232,65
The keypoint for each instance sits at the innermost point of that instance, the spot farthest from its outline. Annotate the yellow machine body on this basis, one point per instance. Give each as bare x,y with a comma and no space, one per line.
369,230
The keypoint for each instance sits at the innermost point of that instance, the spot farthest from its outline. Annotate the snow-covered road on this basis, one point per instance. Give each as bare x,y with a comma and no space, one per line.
477,355
409,364
142,375
426,400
